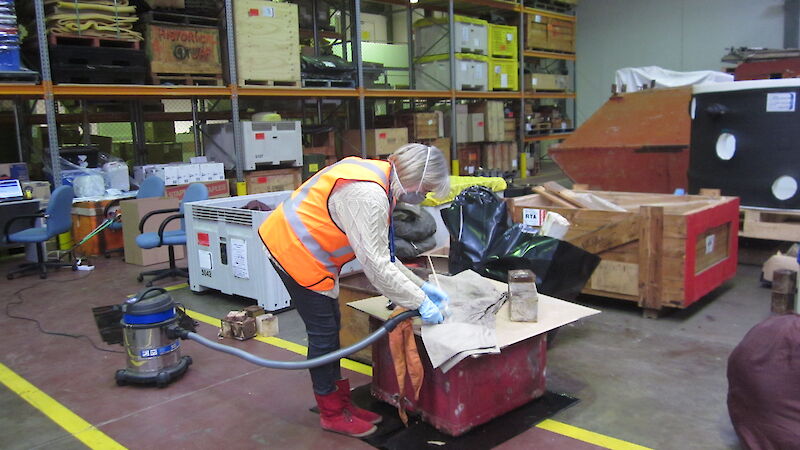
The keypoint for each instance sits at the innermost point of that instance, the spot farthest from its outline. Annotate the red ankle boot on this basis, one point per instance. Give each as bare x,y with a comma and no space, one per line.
334,416
363,414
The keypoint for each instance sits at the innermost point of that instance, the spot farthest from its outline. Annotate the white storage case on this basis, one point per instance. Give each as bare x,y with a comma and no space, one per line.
431,36
269,143
432,73
225,252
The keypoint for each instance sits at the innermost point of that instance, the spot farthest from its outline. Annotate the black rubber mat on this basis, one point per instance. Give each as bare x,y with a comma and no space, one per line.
392,435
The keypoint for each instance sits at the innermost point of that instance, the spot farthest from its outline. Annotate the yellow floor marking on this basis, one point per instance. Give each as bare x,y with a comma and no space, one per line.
58,413
588,436
284,344
548,424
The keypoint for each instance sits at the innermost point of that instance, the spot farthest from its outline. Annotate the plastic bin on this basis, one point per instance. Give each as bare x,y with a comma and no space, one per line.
503,41
431,36
433,72
225,252
503,75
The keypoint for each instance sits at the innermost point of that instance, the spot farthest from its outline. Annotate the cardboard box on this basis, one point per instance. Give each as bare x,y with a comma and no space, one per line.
275,180
380,141
442,144
171,173
212,171
17,171
477,127
494,119
159,131
132,212
545,82
216,189
462,124
38,189
173,48
510,129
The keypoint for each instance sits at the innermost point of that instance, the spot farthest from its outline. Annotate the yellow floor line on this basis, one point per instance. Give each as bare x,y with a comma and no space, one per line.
588,436
58,413
548,424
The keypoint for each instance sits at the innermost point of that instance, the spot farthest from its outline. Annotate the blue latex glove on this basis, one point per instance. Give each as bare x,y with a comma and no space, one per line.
430,312
437,295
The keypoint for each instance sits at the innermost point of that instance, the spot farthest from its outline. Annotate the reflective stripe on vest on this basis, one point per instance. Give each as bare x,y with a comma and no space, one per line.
331,259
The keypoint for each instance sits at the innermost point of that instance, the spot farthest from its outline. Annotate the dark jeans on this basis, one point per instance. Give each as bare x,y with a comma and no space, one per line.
321,315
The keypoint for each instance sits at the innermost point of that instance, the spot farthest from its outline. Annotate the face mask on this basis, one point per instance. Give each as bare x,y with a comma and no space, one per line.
414,198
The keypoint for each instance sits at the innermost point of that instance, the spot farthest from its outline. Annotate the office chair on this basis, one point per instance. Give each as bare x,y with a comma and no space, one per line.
58,219
152,187
194,193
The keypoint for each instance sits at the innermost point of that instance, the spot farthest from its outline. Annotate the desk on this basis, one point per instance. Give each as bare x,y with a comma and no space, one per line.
478,389
9,210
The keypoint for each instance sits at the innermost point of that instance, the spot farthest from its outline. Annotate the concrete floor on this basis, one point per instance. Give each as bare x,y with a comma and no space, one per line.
657,383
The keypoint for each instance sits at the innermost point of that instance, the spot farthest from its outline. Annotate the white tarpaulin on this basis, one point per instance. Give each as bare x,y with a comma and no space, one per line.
634,78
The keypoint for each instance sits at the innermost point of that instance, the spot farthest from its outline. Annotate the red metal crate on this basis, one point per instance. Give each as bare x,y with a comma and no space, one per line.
473,392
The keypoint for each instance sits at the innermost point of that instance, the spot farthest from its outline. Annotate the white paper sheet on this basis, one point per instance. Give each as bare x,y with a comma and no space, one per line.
239,258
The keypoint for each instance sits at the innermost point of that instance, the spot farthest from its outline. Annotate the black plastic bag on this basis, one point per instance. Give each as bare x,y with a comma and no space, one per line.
476,219
561,268
482,239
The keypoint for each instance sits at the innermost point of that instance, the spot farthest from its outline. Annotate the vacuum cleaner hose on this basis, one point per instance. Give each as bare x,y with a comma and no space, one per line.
388,326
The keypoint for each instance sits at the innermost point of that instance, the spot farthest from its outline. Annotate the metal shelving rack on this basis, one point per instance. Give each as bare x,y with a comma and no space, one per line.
50,93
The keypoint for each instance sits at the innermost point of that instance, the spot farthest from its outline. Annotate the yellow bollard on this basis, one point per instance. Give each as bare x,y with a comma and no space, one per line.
241,188
455,167
65,241
523,165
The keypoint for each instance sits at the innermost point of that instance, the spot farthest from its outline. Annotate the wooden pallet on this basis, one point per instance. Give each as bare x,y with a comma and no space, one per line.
313,82
187,79
775,224
271,83
92,41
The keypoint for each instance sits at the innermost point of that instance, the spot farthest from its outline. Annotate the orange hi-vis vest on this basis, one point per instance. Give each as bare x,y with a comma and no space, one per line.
300,233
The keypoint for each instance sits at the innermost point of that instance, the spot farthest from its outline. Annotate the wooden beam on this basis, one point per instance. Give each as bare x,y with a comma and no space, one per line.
651,253
610,236
558,201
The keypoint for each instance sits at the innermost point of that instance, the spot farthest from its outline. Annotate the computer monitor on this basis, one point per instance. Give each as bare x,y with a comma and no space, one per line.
10,190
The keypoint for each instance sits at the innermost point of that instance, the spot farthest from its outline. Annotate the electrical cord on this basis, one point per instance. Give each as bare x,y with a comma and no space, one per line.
18,294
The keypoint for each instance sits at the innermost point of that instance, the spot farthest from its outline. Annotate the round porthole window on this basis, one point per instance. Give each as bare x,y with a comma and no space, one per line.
784,188
726,146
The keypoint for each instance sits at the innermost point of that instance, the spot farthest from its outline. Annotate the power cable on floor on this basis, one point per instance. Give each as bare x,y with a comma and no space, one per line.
18,294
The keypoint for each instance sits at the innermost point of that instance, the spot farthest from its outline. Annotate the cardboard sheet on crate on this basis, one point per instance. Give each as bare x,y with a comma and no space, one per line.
553,313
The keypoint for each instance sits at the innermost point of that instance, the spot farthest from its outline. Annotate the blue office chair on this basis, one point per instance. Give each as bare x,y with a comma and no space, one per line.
58,219
152,187
194,193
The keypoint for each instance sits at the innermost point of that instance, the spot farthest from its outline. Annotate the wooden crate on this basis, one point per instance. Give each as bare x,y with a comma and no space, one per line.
546,33
176,51
86,216
267,43
779,225
420,125
664,251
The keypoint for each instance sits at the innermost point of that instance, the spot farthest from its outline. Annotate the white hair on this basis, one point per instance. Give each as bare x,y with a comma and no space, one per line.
409,163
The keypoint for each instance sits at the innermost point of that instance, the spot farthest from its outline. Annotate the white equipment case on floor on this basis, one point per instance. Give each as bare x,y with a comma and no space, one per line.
225,252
